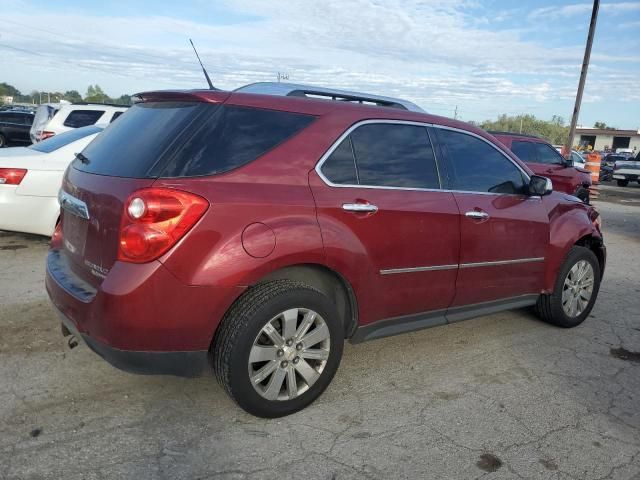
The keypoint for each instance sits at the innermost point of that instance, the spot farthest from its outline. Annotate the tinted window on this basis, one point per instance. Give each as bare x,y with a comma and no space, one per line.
115,115
523,150
395,156
340,167
231,137
547,154
186,139
82,118
64,139
476,166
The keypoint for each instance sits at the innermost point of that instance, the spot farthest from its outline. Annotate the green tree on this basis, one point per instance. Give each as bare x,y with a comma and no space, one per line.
603,126
96,95
554,131
72,96
123,100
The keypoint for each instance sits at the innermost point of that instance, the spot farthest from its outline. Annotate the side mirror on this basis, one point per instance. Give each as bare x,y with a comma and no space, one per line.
540,185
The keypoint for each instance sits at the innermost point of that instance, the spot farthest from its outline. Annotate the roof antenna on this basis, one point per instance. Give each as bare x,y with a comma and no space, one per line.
206,75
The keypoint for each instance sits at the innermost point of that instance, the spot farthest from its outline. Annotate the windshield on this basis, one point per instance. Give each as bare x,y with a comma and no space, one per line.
64,139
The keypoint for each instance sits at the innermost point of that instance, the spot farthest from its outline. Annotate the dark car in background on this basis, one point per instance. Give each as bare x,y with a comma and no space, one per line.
543,159
14,127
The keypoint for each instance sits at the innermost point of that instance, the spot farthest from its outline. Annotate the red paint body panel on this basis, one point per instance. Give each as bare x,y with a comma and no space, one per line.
517,228
412,229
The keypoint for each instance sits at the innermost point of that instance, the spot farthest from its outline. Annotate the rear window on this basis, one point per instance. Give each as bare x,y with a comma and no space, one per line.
169,139
64,139
82,118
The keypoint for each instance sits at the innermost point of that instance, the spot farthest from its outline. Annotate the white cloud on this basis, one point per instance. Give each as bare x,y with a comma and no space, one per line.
559,12
439,53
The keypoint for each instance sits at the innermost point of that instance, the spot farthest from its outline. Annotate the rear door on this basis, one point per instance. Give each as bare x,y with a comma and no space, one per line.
504,233
385,221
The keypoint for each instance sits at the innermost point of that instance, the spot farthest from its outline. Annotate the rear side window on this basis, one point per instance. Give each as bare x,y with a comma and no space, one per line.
547,154
524,150
476,166
82,118
187,139
115,115
340,167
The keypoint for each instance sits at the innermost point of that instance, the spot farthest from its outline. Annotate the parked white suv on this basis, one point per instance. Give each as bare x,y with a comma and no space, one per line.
54,118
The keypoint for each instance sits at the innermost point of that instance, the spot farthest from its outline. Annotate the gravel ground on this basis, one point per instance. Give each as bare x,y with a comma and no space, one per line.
502,396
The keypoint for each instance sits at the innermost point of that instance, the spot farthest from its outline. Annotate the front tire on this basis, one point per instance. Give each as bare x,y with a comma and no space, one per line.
623,183
575,291
278,348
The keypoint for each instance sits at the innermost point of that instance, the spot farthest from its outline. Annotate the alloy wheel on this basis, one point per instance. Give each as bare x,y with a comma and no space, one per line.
289,354
577,289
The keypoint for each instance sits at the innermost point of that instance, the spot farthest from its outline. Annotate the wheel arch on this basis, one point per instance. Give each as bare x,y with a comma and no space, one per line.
595,244
329,282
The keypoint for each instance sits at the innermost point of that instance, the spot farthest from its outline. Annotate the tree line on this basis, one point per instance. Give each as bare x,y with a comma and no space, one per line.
94,94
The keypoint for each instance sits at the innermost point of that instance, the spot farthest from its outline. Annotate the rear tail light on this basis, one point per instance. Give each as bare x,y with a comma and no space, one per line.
12,176
44,135
154,219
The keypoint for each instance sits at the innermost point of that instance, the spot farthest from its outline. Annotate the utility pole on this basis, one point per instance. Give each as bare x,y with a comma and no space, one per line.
521,123
455,113
583,76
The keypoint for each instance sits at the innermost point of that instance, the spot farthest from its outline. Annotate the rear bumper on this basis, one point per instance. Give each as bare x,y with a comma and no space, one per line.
141,318
180,364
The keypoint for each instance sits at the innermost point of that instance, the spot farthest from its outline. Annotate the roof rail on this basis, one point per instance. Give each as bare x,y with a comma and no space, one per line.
497,132
310,91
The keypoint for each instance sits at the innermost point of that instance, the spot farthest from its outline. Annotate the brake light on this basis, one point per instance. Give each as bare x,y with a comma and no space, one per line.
44,135
154,219
12,176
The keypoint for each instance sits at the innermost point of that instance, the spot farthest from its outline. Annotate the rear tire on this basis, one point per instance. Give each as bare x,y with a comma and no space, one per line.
264,331
623,183
578,278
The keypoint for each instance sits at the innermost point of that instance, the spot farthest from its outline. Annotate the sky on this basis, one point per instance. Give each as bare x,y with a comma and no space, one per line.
479,58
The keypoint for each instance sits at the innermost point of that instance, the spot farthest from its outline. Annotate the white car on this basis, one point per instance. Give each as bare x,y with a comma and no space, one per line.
54,118
30,178
576,157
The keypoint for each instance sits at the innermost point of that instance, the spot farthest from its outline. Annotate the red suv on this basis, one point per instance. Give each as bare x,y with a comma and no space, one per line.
254,233
543,159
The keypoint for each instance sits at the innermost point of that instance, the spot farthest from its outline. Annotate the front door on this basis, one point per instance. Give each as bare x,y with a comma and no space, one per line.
385,223
504,232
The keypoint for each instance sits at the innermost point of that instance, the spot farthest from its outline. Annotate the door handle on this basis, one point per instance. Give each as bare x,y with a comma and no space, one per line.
359,207
476,214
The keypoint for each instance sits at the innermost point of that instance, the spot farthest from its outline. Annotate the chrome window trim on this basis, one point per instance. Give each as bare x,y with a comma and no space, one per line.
73,205
335,145
392,271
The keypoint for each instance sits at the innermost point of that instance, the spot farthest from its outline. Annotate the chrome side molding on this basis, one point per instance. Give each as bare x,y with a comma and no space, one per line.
432,268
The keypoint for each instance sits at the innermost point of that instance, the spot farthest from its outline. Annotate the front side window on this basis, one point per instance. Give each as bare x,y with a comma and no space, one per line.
476,166
547,154
82,118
